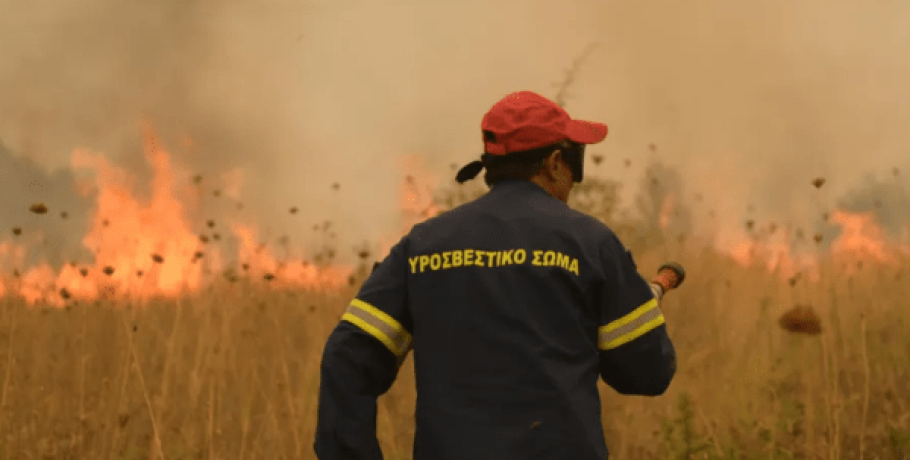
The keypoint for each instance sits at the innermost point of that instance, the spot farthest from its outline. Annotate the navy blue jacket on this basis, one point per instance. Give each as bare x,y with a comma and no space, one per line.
514,305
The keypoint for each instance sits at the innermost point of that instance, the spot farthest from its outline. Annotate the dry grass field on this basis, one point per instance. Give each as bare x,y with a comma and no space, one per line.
231,372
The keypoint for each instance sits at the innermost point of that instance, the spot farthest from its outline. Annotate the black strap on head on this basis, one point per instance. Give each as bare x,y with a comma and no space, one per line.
572,152
469,171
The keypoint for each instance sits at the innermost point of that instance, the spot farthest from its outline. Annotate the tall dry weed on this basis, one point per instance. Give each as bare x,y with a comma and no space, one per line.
232,372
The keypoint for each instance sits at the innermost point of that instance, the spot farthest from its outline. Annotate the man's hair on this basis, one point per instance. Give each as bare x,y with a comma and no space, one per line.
511,170
518,165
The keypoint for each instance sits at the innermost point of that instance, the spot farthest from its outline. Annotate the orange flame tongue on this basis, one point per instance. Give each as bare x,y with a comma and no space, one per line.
861,237
288,273
127,234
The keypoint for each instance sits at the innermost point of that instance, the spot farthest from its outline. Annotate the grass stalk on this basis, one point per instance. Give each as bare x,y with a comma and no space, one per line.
156,436
865,353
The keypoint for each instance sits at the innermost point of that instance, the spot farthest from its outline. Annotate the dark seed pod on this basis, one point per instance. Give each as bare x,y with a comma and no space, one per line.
801,320
38,208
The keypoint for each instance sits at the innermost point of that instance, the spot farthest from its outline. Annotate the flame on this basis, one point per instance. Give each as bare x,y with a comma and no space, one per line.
416,193
415,197
287,273
861,237
127,233
776,255
149,248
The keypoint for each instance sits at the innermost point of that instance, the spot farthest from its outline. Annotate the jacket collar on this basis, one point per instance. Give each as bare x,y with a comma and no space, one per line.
518,186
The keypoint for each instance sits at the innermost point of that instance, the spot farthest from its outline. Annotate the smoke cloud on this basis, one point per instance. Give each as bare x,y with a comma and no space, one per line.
749,100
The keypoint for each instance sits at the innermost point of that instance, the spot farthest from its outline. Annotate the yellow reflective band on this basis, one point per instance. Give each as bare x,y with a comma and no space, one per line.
380,325
630,327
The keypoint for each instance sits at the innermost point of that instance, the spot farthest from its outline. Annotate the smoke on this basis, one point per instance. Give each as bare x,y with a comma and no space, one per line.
23,183
748,100
886,198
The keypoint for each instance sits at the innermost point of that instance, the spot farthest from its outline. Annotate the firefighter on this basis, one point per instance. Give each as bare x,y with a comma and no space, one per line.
514,305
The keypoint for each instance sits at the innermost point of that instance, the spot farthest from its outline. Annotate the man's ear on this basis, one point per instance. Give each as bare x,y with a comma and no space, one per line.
551,164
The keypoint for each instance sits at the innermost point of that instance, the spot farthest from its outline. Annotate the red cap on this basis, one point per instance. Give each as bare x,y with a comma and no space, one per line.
525,120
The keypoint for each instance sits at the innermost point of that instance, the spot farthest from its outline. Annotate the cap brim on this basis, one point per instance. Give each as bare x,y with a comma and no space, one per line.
586,132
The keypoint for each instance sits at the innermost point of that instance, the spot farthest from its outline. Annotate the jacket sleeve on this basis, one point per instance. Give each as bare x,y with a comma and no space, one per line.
636,354
360,362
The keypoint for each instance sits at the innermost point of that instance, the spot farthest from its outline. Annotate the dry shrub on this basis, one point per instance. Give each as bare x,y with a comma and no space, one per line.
801,319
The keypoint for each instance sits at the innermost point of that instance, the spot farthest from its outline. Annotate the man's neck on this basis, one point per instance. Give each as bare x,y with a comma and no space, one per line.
548,186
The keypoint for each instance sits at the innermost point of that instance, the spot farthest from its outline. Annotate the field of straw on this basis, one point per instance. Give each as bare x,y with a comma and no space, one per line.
232,372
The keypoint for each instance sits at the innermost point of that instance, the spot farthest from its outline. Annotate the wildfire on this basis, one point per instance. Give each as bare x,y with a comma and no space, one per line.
415,197
164,246
150,248
127,233
776,255
860,238
289,273
416,193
